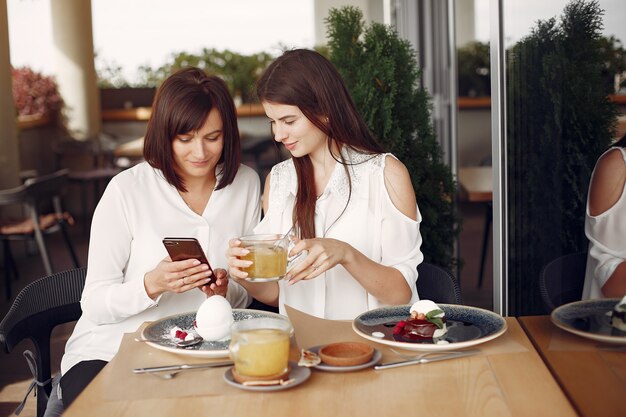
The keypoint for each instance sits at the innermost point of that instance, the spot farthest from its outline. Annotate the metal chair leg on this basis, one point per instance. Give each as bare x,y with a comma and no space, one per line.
41,243
7,270
68,242
483,254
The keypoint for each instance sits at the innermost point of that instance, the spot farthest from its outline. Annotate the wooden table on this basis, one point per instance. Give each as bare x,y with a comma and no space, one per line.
592,374
508,378
476,184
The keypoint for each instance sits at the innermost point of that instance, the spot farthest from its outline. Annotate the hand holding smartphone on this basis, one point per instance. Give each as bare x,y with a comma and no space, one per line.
182,248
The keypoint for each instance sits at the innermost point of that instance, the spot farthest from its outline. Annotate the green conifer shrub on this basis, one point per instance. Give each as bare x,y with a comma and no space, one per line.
381,72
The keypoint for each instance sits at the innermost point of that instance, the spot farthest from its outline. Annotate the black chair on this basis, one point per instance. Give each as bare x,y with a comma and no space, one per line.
37,310
102,165
436,284
35,195
561,280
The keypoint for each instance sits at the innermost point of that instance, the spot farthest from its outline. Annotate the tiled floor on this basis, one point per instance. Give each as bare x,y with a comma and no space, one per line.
14,374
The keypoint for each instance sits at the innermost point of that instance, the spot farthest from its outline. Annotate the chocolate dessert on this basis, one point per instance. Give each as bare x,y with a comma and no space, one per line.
427,323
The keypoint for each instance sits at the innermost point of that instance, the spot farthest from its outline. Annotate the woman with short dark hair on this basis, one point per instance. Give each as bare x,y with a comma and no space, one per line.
191,185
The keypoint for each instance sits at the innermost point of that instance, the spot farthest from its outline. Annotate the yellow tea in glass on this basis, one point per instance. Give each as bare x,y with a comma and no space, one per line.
268,254
260,347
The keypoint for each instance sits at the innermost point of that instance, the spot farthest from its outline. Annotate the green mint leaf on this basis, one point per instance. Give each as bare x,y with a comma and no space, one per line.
437,321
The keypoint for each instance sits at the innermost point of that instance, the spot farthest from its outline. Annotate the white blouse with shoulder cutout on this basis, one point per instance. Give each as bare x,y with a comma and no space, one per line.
607,243
370,223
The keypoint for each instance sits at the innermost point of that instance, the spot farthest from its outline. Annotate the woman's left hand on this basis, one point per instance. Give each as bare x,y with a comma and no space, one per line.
220,286
323,255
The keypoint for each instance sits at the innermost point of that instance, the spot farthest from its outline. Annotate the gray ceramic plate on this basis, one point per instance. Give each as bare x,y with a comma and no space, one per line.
330,368
159,331
590,319
467,326
299,374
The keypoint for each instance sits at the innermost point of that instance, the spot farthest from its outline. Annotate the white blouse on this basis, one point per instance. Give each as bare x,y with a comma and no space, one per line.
370,223
137,210
607,243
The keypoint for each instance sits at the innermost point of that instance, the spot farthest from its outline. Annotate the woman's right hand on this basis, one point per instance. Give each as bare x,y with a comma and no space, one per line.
177,277
233,254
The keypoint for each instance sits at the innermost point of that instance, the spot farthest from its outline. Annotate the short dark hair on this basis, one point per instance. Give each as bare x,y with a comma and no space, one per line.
181,105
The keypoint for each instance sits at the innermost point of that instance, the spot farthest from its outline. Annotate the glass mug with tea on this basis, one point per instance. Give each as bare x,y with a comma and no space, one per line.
269,254
259,347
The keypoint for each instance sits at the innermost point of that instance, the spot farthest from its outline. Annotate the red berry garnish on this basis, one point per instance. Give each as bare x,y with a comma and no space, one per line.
399,326
181,334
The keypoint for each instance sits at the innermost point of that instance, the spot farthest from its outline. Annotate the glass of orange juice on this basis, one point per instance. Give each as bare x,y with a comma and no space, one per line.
260,347
269,256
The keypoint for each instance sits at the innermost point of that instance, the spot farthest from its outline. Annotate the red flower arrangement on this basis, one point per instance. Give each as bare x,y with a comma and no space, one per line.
34,93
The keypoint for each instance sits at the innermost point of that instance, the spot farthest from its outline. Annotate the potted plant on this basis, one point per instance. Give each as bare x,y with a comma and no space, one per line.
35,94
381,72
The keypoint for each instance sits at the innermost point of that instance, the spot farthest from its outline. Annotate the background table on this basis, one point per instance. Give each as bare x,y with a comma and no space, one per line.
508,378
592,374
476,184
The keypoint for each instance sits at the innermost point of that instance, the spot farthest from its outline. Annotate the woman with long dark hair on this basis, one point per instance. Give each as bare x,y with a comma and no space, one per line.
191,185
605,225
351,205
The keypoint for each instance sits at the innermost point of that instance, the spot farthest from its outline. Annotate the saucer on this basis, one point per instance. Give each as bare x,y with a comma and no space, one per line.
299,374
330,368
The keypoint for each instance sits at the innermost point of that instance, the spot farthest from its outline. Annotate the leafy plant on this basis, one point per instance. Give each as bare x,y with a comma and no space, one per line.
381,72
240,72
614,55
560,120
34,93
473,70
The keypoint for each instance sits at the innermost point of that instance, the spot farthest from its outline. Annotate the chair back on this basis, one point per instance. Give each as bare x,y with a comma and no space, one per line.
46,187
436,284
561,280
37,310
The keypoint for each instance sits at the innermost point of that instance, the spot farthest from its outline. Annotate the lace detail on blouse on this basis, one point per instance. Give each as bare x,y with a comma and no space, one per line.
284,180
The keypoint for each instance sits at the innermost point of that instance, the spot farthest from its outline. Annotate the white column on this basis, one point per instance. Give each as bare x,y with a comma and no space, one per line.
75,68
9,151
465,25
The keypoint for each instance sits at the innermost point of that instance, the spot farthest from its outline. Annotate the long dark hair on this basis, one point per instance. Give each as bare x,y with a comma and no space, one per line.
306,79
181,105
621,143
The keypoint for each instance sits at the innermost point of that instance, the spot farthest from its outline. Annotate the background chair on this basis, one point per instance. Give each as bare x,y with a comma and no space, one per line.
37,310
35,195
436,284
99,166
561,280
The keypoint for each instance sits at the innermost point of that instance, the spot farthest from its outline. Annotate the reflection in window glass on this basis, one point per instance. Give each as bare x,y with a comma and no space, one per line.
560,118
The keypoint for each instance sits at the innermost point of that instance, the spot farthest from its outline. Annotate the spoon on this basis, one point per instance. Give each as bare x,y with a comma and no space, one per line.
178,343
285,237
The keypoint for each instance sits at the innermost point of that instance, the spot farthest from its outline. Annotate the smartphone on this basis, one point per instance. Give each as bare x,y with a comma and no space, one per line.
181,248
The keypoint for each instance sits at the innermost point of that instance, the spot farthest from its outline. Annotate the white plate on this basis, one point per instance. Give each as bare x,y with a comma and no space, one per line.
332,368
589,319
467,326
299,374
160,332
